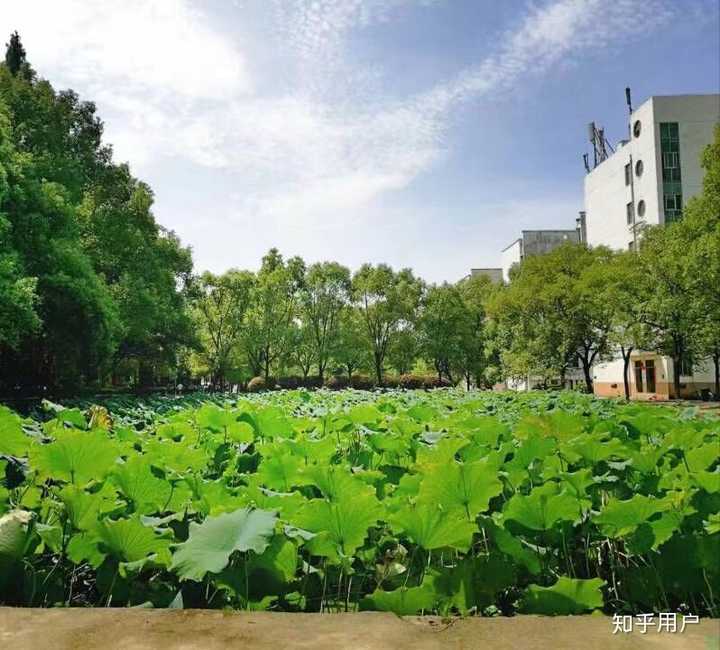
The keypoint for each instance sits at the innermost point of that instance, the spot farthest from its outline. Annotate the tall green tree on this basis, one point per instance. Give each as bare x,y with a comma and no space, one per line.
349,348
387,301
15,56
325,292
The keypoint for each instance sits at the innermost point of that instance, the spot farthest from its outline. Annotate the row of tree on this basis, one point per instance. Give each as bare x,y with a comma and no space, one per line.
93,291
288,317
571,308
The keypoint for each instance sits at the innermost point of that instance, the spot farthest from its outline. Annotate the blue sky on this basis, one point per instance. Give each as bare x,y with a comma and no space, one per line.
422,133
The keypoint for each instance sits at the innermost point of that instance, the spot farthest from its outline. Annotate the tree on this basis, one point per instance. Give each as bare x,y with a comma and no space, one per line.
623,293
221,306
442,324
349,349
387,301
15,57
478,360
325,293
552,313
274,307
403,350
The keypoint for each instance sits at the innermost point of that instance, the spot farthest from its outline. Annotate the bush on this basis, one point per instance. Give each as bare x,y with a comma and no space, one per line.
411,381
290,382
391,381
258,384
431,381
312,381
337,382
362,382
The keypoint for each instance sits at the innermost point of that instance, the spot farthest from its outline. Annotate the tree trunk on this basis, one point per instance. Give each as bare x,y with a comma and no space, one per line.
467,380
588,376
677,360
716,360
378,369
626,366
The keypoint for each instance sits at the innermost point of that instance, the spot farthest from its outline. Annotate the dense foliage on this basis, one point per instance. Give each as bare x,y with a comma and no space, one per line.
443,501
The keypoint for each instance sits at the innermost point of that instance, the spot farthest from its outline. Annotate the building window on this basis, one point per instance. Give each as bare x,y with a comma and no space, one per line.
641,208
628,174
650,375
639,167
630,212
639,377
637,127
671,170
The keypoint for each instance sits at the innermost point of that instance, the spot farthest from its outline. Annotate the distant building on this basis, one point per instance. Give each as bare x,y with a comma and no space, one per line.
648,177
494,274
534,242
646,180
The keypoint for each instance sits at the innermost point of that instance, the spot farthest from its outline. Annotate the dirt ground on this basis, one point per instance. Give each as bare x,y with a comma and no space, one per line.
135,629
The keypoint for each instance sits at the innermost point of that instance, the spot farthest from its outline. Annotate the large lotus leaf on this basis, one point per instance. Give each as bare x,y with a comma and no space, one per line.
463,487
272,423
336,481
13,440
177,431
708,481
210,544
16,530
533,448
282,472
280,559
210,416
81,507
83,547
313,450
703,457
544,507
422,413
140,486
559,425
176,456
441,452
619,517
593,449
511,545
432,527
403,601
475,581
344,521
484,430
76,456
129,540
566,596
365,414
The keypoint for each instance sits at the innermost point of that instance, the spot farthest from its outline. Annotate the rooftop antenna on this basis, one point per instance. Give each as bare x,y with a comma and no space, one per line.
600,145
628,101
586,163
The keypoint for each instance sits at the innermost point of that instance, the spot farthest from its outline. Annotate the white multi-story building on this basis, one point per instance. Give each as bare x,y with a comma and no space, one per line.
646,180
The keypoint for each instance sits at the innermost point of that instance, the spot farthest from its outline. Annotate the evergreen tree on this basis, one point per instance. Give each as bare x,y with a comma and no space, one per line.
15,56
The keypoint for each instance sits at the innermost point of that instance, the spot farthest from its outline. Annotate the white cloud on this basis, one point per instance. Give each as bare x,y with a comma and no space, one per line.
170,85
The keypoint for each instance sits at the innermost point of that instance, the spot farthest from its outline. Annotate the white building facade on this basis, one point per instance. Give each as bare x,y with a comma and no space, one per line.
646,181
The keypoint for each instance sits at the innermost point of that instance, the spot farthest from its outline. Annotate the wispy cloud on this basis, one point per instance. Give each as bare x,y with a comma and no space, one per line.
172,85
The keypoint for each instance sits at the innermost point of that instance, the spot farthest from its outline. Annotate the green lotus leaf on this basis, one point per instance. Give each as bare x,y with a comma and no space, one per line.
593,449
463,487
282,472
559,425
365,414
619,517
82,508
343,522
176,456
403,601
140,486
432,527
544,507
76,456
129,540
422,413
567,596
703,457
511,545
83,547
13,440
210,544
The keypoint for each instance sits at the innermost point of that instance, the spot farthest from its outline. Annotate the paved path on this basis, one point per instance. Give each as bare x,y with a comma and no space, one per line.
135,629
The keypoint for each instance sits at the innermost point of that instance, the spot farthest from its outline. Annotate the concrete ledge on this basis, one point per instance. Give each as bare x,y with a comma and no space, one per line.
134,629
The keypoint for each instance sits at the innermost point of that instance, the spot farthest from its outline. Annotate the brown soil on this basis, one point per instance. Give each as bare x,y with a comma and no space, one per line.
135,629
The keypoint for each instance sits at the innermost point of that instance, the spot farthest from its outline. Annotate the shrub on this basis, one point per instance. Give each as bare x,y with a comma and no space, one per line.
259,384
431,381
337,382
391,381
290,382
411,381
362,382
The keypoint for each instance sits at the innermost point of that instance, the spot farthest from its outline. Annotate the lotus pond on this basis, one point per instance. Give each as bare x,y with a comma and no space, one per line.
438,502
